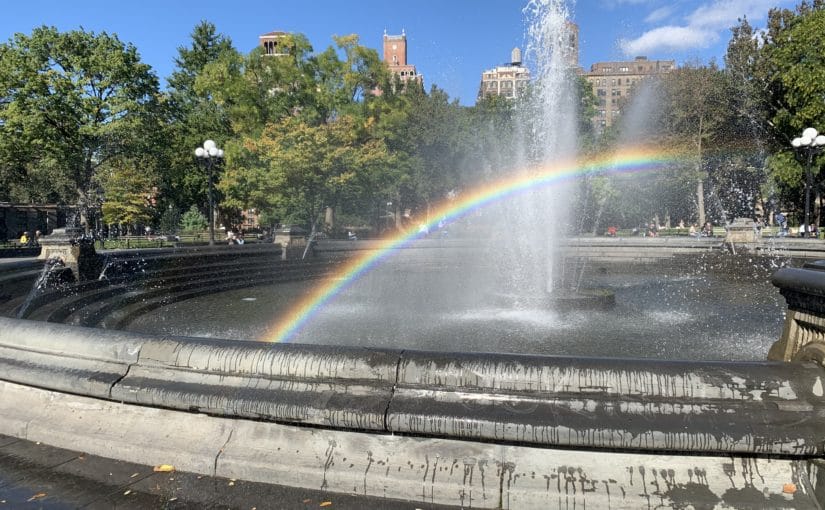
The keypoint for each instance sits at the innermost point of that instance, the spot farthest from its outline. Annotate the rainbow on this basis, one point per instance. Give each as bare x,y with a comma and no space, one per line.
630,161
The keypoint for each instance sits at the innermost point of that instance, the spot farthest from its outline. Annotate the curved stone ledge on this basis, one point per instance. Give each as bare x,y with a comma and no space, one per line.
750,408
465,474
612,403
75,360
329,386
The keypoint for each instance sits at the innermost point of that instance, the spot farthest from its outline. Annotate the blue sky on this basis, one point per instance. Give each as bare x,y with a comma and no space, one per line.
450,41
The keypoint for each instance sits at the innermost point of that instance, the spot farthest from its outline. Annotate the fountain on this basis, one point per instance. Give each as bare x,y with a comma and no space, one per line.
387,390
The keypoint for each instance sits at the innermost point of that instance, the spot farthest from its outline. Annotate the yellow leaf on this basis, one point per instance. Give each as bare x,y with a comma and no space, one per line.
38,496
164,468
326,503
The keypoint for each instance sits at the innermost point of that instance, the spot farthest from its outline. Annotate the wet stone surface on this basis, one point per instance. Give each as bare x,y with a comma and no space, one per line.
39,476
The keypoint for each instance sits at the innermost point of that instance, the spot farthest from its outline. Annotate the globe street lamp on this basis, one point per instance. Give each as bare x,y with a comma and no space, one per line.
811,142
210,155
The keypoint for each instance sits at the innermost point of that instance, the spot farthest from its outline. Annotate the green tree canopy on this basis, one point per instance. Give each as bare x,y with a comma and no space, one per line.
72,102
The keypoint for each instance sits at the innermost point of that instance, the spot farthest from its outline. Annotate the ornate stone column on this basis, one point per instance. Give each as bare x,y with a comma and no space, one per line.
803,336
75,252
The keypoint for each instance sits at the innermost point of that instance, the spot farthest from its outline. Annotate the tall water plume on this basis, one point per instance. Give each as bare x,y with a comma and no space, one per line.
546,133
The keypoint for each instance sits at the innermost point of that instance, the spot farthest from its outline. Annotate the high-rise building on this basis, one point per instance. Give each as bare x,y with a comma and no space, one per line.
614,82
395,56
506,80
275,44
572,44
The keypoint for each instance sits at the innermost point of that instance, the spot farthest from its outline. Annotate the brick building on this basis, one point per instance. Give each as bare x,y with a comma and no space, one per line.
395,56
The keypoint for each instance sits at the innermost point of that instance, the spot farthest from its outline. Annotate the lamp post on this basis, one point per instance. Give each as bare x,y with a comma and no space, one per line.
811,142
210,155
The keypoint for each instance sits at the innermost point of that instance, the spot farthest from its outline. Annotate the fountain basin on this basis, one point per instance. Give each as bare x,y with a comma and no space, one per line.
565,300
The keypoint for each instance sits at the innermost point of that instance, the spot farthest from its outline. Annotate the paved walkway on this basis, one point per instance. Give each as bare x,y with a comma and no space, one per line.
34,475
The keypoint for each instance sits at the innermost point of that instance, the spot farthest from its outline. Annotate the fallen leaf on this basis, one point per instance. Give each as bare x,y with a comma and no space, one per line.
307,501
134,475
326,503
231,483
789,488
38,496
128,491
173,499
164,468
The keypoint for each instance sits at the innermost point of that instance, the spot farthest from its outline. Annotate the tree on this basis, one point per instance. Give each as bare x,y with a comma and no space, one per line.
129,193
72,102
193,116
193,220
206,46
696,106
796,56
299,169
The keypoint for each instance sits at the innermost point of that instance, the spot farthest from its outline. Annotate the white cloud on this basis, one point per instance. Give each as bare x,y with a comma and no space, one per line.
668,38
703,27
722,14
659,14
613,4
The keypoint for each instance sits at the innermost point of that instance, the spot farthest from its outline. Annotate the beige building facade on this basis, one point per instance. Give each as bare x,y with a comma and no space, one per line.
614,82
275,44
508,80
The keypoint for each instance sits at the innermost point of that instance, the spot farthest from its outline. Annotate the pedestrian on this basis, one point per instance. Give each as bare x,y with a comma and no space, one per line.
783,224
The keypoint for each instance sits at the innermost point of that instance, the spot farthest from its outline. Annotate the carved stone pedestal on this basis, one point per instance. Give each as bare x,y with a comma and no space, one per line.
803,336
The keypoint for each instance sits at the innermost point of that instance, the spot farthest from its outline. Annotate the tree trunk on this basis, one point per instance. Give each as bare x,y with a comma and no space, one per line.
700,186
329,219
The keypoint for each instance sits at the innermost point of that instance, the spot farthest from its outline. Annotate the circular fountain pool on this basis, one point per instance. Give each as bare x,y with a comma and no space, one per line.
439,301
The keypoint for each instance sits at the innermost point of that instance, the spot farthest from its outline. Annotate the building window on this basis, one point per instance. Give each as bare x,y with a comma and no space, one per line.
623,69
613,82
601,92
